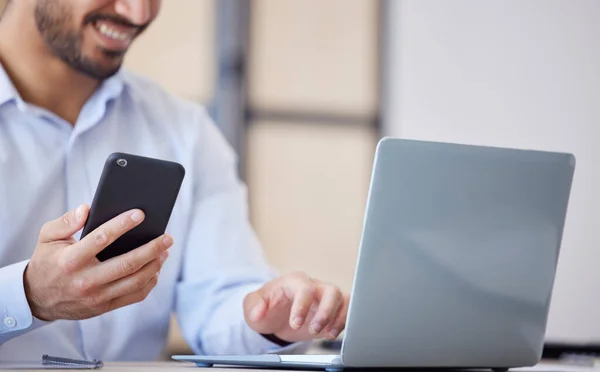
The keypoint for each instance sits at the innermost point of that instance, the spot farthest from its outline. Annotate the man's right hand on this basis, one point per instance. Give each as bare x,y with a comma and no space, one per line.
65,280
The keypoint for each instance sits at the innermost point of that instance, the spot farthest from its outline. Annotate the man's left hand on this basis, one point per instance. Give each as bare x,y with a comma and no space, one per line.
295,307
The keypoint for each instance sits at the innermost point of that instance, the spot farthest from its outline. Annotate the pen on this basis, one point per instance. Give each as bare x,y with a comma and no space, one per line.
47,359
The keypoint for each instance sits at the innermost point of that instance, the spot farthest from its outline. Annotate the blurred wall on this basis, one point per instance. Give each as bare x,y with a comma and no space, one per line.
177,49
315,64
517,74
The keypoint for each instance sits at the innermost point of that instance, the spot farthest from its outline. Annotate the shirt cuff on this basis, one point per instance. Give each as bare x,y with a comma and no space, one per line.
277,340
15,314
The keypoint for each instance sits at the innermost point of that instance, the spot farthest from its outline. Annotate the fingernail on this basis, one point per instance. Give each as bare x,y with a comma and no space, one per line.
167,240
297,322
163,257
137,216
79,212
315,328
256,311
334,333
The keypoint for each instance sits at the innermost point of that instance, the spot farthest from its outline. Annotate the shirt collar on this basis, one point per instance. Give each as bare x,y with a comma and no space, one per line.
112,87
95,108
8,91
109,89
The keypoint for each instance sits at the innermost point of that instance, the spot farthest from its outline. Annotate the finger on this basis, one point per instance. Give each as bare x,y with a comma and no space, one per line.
303,300
330,302
129,263
134,297
65,226
132,283
333,330
87,248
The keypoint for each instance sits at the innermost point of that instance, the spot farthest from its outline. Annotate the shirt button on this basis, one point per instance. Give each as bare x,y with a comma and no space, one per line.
10,322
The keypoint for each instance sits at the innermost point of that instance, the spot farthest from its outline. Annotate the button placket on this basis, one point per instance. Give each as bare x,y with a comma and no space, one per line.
9,321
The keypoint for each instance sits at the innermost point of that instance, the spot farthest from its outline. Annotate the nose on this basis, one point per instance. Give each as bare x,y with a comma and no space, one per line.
138,12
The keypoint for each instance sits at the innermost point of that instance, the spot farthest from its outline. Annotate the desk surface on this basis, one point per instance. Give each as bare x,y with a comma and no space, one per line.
191,367
142,366
129,367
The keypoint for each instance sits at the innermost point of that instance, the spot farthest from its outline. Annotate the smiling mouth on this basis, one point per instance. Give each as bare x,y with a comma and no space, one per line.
117,33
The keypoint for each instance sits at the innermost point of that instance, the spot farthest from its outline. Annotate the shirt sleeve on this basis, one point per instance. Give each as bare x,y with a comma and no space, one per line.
223,260
15,314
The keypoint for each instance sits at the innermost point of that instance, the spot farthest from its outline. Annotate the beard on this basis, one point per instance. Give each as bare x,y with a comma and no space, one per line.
53,20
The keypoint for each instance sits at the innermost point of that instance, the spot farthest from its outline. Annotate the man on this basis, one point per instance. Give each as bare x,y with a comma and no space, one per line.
64,106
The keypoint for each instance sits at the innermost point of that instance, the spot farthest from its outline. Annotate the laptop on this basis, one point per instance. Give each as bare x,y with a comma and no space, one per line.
456,263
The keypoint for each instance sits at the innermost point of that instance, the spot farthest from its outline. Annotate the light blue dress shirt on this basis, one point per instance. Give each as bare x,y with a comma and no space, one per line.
48,167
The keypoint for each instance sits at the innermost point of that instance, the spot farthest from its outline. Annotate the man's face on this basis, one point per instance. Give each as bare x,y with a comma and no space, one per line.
92,36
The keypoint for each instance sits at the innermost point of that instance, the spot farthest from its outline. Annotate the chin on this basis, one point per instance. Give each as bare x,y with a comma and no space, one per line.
106,66
109,72
97,70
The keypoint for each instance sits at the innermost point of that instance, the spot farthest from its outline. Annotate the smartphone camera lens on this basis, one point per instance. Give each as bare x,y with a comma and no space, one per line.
122,163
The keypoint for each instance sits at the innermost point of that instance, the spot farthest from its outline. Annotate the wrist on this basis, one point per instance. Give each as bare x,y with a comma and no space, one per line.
34,305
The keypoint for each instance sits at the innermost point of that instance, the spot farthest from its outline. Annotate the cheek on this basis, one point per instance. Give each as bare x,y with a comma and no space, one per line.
155,6
97,4
80,9
87,6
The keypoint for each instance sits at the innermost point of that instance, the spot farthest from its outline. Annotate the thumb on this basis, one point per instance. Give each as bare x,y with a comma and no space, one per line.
65,226
255,307
267,311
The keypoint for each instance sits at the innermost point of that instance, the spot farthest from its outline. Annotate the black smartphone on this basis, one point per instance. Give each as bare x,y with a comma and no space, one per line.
130,181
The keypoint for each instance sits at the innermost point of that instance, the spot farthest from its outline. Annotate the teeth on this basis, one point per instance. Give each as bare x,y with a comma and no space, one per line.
113,34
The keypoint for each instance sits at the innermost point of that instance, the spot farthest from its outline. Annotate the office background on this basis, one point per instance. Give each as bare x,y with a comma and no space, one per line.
303,89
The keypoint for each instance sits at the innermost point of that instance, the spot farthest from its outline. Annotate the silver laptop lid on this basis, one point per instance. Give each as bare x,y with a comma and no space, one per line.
458,256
